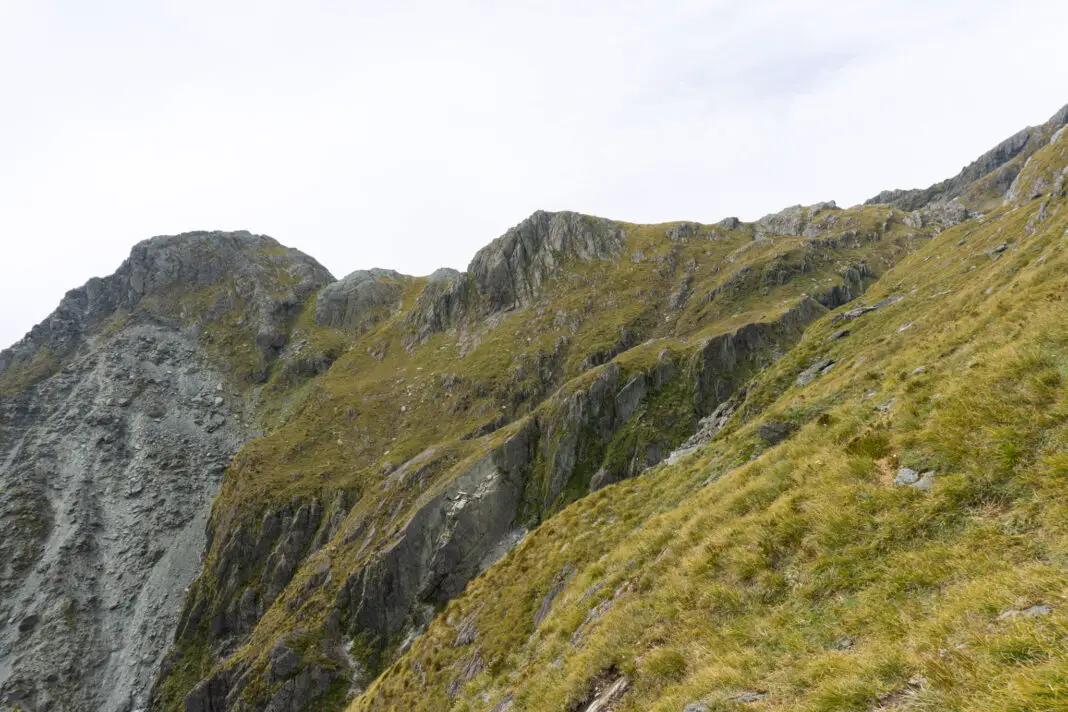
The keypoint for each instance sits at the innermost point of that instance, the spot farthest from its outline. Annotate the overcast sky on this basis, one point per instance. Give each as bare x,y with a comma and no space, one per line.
408,134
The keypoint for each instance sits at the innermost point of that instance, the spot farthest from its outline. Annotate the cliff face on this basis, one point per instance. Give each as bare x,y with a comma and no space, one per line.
116,425
294,485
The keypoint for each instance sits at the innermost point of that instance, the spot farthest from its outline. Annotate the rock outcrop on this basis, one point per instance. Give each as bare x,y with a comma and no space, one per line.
359,300
110,460
246,268
511,270
986,179
805,221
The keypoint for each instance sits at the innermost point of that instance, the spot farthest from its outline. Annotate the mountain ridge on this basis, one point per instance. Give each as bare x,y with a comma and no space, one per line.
393,436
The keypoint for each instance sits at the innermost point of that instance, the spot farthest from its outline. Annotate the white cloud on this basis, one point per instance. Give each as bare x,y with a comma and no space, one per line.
409,134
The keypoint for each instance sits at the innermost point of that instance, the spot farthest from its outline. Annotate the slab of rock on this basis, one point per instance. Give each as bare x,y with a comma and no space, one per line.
774,432
909,477
360,299
1032,612
814,371
860,311
748,697
610,694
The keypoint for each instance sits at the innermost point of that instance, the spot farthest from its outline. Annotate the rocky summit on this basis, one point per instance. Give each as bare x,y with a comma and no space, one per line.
811,462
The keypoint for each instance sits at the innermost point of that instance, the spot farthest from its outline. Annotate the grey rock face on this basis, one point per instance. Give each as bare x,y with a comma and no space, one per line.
726,362
360,299
444,274
451,537
940,213
119,497
511,270
810,221
683,231
109,465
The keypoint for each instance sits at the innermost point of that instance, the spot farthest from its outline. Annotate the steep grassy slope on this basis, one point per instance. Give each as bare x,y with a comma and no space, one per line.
800,576
359,457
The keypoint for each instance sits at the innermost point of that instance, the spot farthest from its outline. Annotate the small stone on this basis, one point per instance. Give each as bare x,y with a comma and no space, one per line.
925,482
697,707
814,371
885,407
218,401
906,476
774,432
28,623
919,370
1032,612
747,697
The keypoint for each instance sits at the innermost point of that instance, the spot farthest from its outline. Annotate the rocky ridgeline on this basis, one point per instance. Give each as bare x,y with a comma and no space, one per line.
120,414
980,185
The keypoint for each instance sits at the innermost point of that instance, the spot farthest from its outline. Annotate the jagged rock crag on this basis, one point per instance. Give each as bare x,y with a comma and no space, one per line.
983,182
110,457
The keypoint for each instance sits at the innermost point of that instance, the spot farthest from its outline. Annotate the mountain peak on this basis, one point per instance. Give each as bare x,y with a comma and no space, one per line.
161,270
511,270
